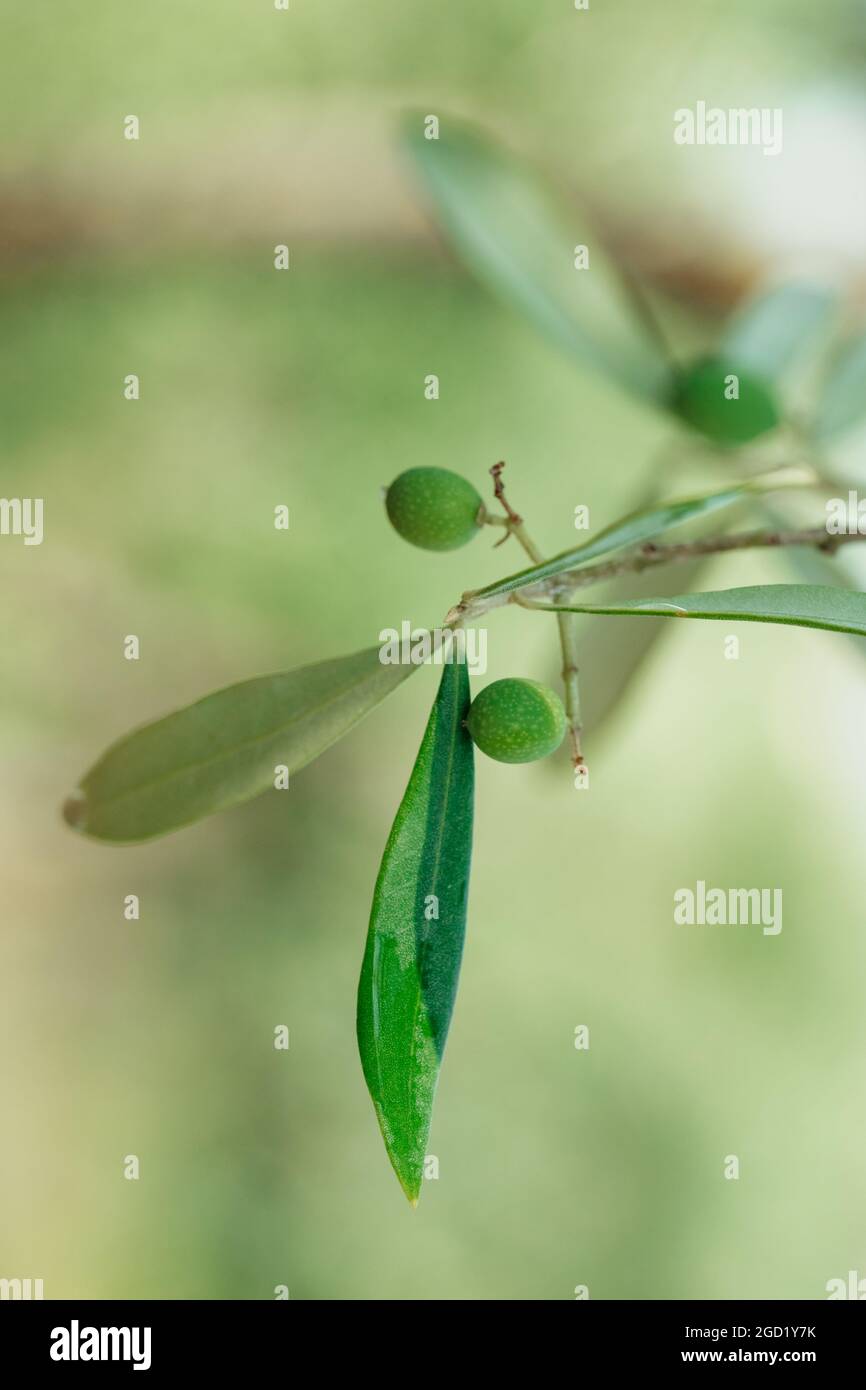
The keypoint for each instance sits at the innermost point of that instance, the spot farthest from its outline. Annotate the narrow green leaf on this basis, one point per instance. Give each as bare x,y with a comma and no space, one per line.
842,401
224,749
415,939
778,326
520,246
642,526
798,605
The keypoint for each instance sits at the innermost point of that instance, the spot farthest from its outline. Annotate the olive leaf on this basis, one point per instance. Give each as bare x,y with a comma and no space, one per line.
510,235
797,605
415,938
842,400
226,747
779,326
643,525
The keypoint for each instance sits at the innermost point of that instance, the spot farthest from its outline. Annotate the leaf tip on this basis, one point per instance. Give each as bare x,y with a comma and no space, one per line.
74,811
409,1176
408,1172
412,1189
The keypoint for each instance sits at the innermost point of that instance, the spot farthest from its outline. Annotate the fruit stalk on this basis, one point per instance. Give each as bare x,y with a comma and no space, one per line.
566,622
568,642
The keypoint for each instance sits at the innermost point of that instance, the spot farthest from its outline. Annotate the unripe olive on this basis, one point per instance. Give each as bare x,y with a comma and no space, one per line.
704,396
516,720
434,508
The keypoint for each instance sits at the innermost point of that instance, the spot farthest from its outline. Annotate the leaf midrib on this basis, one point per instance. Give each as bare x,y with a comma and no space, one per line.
434,880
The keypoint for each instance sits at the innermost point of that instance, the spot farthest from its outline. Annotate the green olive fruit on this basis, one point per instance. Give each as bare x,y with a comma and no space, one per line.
724,402
434,508
517,720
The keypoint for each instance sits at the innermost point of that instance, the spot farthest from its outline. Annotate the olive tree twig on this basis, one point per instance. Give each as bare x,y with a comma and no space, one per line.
649,556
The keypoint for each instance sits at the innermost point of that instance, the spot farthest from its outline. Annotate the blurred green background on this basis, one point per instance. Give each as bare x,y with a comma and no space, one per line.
154,1038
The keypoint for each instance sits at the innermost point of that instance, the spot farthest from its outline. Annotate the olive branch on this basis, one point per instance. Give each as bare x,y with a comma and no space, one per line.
646,556
243,741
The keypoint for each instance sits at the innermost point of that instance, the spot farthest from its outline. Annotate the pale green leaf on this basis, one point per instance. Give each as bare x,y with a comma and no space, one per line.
842,400
798,605
513,238
780,325
225,748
